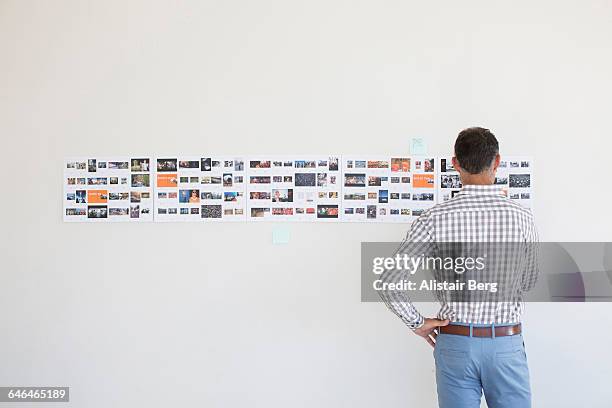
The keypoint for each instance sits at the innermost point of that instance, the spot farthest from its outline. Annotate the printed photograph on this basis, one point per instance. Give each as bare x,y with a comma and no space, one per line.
259,212
259,164
118,211
450,181
305,164
227,180
282,195
206,164
140,165
119,165
166,164
371,212
520,181
189,164
91,165
333,163
211,211
81,197
354,180
327,211
189,196
374,181
305,179
400,164
140,180
322,179
97,211
383,196
446,165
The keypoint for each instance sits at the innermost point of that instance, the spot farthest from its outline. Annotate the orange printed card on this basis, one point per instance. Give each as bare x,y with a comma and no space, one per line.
167,180
423,181
97,196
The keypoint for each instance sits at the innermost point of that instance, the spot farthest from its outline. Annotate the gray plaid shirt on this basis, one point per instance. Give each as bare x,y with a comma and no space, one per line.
477,214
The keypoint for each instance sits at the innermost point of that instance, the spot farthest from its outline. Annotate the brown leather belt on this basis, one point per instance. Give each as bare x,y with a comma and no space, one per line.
500,331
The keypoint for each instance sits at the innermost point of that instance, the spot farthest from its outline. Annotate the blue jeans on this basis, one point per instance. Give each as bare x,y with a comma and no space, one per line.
467,366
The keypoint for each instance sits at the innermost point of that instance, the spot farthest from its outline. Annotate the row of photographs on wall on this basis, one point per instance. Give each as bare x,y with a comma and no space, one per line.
114,189
318,188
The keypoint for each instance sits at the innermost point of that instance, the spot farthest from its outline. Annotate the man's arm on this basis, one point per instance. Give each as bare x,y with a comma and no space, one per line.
418,243
532,268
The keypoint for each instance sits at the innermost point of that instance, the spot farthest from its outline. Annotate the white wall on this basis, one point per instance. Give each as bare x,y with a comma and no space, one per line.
215,315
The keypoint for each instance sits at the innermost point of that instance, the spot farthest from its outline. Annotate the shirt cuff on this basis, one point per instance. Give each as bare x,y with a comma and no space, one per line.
418,323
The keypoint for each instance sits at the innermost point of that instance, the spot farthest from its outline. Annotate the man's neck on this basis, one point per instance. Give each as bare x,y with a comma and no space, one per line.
477,179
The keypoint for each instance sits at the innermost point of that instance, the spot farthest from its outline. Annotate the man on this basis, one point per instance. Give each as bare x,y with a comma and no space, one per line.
477,340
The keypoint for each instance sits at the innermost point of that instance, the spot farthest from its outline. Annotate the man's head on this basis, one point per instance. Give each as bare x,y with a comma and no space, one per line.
476,156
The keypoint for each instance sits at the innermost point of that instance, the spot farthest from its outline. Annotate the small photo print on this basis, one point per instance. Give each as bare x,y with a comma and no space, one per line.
140,180
101,165
113,180
450,181
184,211
405,180
135,196
305,179
321,179
97,181
238,165
349,211
230,196
166,165
446,166
327,211
514,164
501,180
383,196
118,165
423,197
374,181
189,196
371,212
81,197
91,165
524,164
428,165
354,180
76,211
206,164
282,195
118,211
227,180
520,181
70,196
259,212
400,164
140,165
260,164
211,211
189,164
333,164
97,211
305,164
525,196
259,195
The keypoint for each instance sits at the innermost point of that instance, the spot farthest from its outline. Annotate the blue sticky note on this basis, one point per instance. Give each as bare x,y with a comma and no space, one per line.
418,146
280,235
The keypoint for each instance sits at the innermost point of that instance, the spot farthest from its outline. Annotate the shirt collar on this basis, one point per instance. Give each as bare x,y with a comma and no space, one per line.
481,190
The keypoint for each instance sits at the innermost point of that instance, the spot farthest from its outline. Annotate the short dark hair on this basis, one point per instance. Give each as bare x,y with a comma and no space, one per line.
475,149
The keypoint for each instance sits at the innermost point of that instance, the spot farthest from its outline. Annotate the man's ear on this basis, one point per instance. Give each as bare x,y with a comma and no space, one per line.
496,162
456,164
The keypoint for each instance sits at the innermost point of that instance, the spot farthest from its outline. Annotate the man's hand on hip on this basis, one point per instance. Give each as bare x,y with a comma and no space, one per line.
429,330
